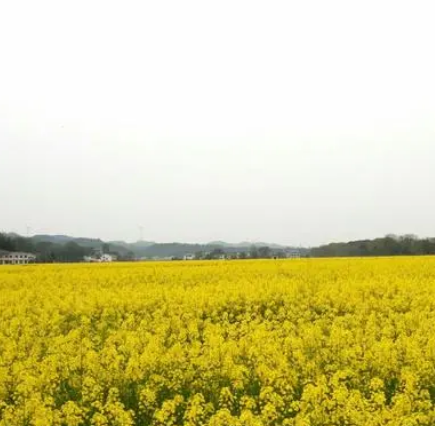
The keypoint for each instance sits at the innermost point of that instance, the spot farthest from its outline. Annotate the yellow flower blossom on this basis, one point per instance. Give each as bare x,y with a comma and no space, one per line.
245,343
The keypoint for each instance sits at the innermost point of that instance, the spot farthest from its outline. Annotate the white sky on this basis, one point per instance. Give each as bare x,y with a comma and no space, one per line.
298,122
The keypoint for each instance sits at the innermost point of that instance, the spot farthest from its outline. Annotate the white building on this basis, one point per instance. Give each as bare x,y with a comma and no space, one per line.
107,258
102,258
90,259
189,256
16,258
292,253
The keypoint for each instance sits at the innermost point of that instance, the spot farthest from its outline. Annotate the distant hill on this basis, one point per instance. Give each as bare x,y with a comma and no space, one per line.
12,235
150,249
139,244
139,249
62,239
52,238
170,250
246,244
219,243
260,244
65,248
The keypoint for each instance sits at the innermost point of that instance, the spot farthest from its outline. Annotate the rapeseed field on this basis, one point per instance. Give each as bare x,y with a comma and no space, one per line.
246,343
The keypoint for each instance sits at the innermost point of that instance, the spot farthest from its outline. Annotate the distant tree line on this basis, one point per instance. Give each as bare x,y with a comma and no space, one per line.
49,252
390,245
75,251
253,252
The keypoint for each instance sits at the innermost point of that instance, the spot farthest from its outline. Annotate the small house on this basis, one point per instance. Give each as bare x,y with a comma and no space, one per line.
16,258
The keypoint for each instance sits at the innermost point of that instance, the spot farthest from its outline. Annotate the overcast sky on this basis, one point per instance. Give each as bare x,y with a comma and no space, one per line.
298,122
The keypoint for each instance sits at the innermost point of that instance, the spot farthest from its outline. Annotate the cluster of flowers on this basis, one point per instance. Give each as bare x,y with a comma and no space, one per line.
255,343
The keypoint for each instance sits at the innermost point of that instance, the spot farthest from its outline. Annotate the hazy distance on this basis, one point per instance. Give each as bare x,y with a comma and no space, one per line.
287,122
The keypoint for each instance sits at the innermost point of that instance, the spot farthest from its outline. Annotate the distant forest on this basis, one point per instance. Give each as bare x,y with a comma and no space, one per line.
391,245
62,248
62,251
69,249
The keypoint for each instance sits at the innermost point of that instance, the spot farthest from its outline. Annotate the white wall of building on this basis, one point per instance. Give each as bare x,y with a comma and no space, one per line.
16,258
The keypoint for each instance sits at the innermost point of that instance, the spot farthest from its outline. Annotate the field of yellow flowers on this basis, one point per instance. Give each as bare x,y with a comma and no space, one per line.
245,343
